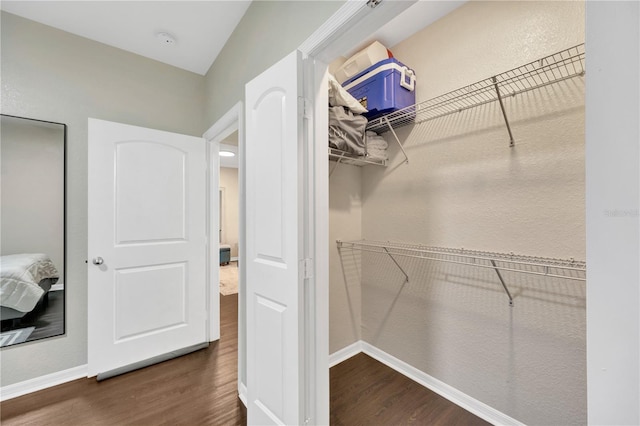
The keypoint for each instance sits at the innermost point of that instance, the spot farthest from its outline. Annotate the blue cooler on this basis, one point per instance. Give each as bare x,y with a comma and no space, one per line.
384,87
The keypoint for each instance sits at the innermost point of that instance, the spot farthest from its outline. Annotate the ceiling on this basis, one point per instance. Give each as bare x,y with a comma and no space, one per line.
420,15
230,143
200,28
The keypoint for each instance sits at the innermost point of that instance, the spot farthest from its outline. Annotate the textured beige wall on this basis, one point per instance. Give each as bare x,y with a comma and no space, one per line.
268,32
345,223
229,181
464,187
52,75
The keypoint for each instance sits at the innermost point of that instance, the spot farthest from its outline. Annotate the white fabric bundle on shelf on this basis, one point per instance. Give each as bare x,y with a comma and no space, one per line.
338,96
376,146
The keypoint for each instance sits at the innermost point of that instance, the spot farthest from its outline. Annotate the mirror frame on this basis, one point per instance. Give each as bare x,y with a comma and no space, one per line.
64,227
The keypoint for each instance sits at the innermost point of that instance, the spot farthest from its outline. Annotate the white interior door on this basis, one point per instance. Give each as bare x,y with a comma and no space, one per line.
147,200
274,245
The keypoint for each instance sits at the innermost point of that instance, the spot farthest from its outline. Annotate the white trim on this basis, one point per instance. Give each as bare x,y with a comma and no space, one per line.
459,398
233,259
43,382
351,24
345,353
212,212
331,29
225,126
242,394
348,27
318,241
231,121
221,129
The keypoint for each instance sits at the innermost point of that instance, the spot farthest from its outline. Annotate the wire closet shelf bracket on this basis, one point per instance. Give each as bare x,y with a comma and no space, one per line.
340,156
569,269
551,69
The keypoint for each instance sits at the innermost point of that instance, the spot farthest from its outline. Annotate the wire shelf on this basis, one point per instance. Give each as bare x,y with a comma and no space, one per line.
549,267
354,159
552,69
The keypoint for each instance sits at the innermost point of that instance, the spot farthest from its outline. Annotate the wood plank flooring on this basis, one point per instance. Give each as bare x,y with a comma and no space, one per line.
201,389
367,392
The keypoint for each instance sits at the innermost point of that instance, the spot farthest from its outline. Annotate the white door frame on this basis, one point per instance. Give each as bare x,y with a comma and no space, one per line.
231,121
350,25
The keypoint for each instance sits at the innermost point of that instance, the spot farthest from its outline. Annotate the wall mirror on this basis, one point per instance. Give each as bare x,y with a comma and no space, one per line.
32,229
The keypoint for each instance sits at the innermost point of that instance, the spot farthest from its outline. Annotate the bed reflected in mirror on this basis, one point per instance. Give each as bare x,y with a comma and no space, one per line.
32,230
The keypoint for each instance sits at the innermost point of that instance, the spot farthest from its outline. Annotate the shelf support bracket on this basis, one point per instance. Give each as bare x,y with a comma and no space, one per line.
406,158
495,268
338,161
406,280
504,112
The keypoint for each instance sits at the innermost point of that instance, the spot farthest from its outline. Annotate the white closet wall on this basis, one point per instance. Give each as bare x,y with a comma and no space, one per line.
345,222
465,188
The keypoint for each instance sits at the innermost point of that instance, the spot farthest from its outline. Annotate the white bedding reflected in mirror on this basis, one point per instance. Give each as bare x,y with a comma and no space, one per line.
32,229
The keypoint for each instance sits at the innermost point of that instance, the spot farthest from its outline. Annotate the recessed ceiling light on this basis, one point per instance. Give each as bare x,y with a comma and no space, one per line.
166,38
227,154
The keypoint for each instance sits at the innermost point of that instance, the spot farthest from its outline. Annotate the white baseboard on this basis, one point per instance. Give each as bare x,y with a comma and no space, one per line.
459,398
22,388
242,394
234,258
345,353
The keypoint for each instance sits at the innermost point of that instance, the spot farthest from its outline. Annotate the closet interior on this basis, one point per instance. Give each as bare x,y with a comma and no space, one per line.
460,252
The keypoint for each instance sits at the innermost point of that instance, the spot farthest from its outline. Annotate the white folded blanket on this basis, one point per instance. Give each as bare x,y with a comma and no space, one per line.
377,154
19,278
375,141
338,96
376,147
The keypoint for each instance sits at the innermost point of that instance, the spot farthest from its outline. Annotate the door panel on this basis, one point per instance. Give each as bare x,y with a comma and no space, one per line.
269,112
158,193
274,249
147,205
140,300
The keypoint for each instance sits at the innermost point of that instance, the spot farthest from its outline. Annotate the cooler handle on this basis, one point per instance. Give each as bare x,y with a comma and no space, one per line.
410,86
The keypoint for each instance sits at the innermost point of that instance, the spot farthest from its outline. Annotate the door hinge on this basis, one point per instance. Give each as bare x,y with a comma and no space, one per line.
307,268
373,3
307,109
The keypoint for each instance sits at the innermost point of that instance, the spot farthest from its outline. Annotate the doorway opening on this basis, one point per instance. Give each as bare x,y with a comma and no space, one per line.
229,215
226,218
368,288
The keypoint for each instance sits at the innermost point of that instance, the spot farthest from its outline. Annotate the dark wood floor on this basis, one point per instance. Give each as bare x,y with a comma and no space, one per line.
367,392
201,388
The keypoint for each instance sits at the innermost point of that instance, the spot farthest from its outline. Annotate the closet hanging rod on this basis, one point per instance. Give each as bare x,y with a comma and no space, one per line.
549,267
563,65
